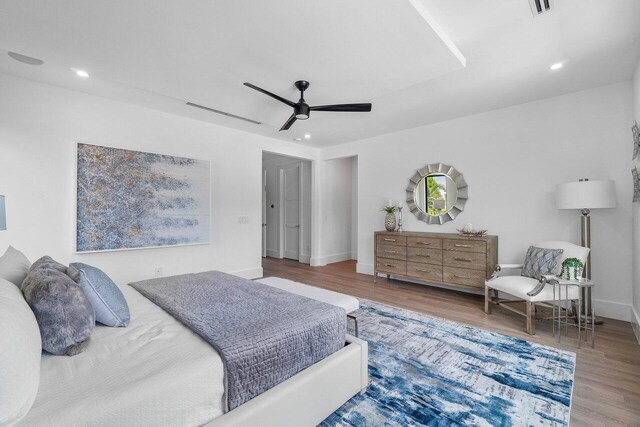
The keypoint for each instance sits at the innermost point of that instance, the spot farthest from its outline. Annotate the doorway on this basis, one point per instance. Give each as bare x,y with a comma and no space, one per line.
286,207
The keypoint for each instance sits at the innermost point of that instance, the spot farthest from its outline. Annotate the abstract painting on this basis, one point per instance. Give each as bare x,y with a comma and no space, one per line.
636,185
131,199
636,140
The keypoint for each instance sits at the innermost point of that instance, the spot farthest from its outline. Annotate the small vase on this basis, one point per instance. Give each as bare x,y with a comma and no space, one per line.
390,221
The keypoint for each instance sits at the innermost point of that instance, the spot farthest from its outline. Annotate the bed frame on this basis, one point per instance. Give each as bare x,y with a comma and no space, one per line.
308,397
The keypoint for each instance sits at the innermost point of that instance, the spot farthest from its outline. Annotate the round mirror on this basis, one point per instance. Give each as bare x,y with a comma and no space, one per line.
437,193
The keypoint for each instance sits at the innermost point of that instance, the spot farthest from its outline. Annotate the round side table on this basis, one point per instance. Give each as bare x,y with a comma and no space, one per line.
561,300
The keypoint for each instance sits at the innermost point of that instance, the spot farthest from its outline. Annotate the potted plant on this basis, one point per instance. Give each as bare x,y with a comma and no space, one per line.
572,269
390,218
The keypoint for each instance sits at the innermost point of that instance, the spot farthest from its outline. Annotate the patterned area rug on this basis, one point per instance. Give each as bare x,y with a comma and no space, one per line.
430,371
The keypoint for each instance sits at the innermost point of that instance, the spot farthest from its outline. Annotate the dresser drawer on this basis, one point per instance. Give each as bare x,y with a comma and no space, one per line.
426,256
465,245
424,242
393,252
391,266
424,271
390,239
471,260
463,276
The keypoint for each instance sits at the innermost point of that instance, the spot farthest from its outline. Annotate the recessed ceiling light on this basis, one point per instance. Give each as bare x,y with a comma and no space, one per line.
25,59
82,73
556,66
297,139
307,136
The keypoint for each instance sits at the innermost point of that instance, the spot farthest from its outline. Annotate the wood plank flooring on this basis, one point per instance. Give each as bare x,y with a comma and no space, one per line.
607,379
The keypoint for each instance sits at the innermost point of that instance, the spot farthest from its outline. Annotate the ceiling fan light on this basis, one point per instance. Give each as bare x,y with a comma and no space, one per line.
302,116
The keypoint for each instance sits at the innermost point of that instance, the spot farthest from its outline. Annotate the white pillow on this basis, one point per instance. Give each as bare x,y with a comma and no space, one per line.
20,353
14,266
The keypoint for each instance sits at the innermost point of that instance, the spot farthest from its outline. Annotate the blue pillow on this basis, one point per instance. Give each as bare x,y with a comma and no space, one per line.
107,300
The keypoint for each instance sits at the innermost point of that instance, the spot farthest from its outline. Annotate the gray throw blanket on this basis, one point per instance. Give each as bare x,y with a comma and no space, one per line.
264,335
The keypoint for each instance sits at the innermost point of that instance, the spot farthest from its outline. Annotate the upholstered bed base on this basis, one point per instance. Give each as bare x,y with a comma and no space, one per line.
308,397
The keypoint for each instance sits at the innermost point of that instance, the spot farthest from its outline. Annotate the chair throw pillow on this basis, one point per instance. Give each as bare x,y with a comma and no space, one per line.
105,297
14,266
64,314
540,262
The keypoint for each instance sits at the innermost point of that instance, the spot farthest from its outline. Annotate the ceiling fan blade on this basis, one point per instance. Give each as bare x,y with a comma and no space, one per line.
273,95
288,123
365,108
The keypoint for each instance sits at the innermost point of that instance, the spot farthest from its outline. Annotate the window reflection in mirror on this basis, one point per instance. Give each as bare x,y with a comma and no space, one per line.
436,194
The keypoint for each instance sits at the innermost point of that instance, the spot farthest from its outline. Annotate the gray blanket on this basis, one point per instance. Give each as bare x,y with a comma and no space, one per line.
264,335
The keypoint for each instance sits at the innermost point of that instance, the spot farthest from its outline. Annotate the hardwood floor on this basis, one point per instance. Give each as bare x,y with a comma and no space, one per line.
607,379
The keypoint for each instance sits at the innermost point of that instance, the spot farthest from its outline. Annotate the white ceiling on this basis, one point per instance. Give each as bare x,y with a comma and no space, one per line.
408,61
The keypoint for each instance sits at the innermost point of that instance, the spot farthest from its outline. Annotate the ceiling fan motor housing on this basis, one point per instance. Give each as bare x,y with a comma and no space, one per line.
301,110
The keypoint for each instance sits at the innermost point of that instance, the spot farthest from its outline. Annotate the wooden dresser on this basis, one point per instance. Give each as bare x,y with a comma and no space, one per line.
444,258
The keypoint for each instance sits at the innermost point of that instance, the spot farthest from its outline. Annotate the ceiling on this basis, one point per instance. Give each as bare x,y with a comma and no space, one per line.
417,61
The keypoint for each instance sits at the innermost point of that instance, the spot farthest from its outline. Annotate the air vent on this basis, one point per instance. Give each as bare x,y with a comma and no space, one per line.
213,110
540,7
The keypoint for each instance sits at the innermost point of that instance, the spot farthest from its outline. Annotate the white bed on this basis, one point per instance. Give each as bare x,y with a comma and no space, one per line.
153,372
157,372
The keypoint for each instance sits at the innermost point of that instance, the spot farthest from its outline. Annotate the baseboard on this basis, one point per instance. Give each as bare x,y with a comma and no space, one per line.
635,323
330,259
613,310
305,259
253,273
364,268
273,254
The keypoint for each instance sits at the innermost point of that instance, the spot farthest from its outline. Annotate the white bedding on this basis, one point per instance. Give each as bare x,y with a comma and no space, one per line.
153,372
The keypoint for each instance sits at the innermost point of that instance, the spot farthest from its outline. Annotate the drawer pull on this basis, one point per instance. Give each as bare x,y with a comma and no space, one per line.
422,270
389,240
463,259
390,265
461,277
424,256
462,246
424,243
390,252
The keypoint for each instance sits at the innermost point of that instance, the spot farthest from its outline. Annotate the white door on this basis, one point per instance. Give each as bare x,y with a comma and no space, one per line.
290,210
264,213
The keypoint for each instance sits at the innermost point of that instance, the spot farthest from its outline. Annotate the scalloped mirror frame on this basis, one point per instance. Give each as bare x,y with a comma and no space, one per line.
451,172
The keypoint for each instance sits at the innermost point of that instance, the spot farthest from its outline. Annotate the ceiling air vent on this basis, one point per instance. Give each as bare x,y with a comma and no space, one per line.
191,104
540,7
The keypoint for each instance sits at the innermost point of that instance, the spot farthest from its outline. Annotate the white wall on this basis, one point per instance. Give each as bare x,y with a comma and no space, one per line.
337,212
636,218
39,127
272,162
512,159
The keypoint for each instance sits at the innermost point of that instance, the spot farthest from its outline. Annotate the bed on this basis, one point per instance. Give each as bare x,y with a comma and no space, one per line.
158,372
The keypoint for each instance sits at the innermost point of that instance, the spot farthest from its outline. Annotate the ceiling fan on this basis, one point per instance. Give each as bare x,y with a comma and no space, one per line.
302,110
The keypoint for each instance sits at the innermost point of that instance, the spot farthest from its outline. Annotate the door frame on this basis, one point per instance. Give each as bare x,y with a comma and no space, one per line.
264,212
281,169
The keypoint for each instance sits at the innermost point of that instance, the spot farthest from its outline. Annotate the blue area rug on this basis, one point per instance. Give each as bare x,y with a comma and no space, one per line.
430,371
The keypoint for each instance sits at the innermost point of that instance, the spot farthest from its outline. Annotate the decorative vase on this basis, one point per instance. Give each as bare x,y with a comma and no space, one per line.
390,221
572,273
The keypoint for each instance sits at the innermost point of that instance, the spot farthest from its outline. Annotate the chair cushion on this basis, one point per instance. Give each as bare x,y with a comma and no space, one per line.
540,262
569,250
518,286
20,353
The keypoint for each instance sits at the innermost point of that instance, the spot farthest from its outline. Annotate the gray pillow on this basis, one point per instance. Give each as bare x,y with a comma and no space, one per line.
540,262
105,297
64,314
14,266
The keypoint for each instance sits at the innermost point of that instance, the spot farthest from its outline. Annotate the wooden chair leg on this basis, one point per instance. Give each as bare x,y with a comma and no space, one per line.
531,320
487,299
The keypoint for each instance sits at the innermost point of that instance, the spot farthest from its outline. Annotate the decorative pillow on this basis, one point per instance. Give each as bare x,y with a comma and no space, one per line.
14,266
64,314
539,262
107,300
20,353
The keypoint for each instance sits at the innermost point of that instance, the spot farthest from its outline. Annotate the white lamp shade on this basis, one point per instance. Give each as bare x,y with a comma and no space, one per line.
3,215
586,195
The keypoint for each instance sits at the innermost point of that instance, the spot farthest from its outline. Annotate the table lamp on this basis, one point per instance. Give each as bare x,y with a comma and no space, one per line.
3,215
